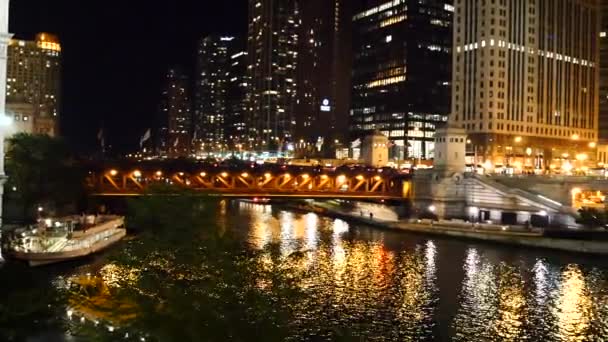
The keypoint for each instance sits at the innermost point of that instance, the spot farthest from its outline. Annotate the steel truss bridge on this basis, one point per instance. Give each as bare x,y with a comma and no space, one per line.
250,183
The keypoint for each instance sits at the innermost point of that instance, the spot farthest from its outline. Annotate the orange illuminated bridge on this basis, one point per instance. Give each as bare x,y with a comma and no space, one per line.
260,183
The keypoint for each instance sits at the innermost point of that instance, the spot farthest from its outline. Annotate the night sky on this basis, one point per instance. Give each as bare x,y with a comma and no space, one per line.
115,54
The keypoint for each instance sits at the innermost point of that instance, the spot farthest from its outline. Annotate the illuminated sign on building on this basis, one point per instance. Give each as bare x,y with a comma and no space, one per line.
325,107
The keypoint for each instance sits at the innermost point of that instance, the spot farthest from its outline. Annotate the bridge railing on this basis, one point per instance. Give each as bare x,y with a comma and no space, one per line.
136,181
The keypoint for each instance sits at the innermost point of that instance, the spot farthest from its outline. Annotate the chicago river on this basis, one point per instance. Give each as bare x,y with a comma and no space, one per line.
361,283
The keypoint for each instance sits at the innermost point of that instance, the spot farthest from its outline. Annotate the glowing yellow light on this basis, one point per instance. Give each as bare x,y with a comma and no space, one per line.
377,178
159,173
581,156
341,179
203,174
137,173
575,137
287,175
359,177
113,172
592,144
305,176
323,176
267,175
517,165
224,174
518,139
244,175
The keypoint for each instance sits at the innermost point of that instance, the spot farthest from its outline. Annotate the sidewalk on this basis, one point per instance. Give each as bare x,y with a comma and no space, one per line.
503,234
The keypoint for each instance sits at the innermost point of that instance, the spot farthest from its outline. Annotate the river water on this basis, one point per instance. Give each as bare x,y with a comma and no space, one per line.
366,284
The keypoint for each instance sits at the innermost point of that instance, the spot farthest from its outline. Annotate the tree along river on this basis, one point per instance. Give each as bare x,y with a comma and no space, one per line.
300,276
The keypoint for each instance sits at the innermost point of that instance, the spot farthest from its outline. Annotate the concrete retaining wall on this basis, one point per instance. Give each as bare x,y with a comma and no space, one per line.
512,235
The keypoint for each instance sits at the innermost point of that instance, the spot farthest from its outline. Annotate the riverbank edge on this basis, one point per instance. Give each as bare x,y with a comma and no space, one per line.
444,230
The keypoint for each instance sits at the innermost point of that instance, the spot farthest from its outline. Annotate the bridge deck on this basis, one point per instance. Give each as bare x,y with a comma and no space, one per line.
244,184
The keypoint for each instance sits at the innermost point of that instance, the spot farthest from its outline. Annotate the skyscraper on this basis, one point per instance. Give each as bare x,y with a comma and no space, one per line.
402,72
4,41
237,102
324,66
213,75
34,81
175,116
272,45
526,79
603,121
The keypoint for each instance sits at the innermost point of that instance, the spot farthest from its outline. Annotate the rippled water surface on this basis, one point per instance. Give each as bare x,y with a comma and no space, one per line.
365,284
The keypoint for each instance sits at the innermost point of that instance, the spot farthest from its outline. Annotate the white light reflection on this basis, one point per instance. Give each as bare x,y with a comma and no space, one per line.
339,227
312,224
478,298
261,218
287,239
541,282
574,308
429,258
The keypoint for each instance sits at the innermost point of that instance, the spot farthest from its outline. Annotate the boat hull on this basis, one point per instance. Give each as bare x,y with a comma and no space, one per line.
116,233
39,259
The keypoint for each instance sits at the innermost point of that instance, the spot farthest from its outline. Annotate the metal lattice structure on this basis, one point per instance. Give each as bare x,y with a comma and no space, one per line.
245,184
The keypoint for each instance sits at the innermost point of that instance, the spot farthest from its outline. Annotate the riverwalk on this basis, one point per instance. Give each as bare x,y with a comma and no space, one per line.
503,234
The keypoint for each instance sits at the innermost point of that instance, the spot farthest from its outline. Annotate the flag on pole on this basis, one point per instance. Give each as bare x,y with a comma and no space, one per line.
101,139
145,138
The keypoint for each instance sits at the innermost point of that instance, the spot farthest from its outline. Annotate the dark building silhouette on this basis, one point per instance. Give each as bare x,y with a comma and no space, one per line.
401,72
324,66
211,91
174,134
603,121
272,46
237,102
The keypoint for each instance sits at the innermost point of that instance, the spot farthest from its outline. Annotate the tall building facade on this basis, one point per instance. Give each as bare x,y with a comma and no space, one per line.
174,134
5,37
603,121
34,79
402,73
324,66
272,46
526,79
237,102
213,75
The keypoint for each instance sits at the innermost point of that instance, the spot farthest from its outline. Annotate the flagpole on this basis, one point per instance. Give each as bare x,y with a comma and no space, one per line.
101,138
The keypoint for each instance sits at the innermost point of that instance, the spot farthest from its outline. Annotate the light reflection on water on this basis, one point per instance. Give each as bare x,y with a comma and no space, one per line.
388,286
366,284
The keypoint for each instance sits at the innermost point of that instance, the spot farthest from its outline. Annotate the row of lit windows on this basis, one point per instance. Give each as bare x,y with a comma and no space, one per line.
386,81
381,8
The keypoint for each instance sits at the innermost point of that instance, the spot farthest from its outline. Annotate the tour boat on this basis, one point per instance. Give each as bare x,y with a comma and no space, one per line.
69,238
